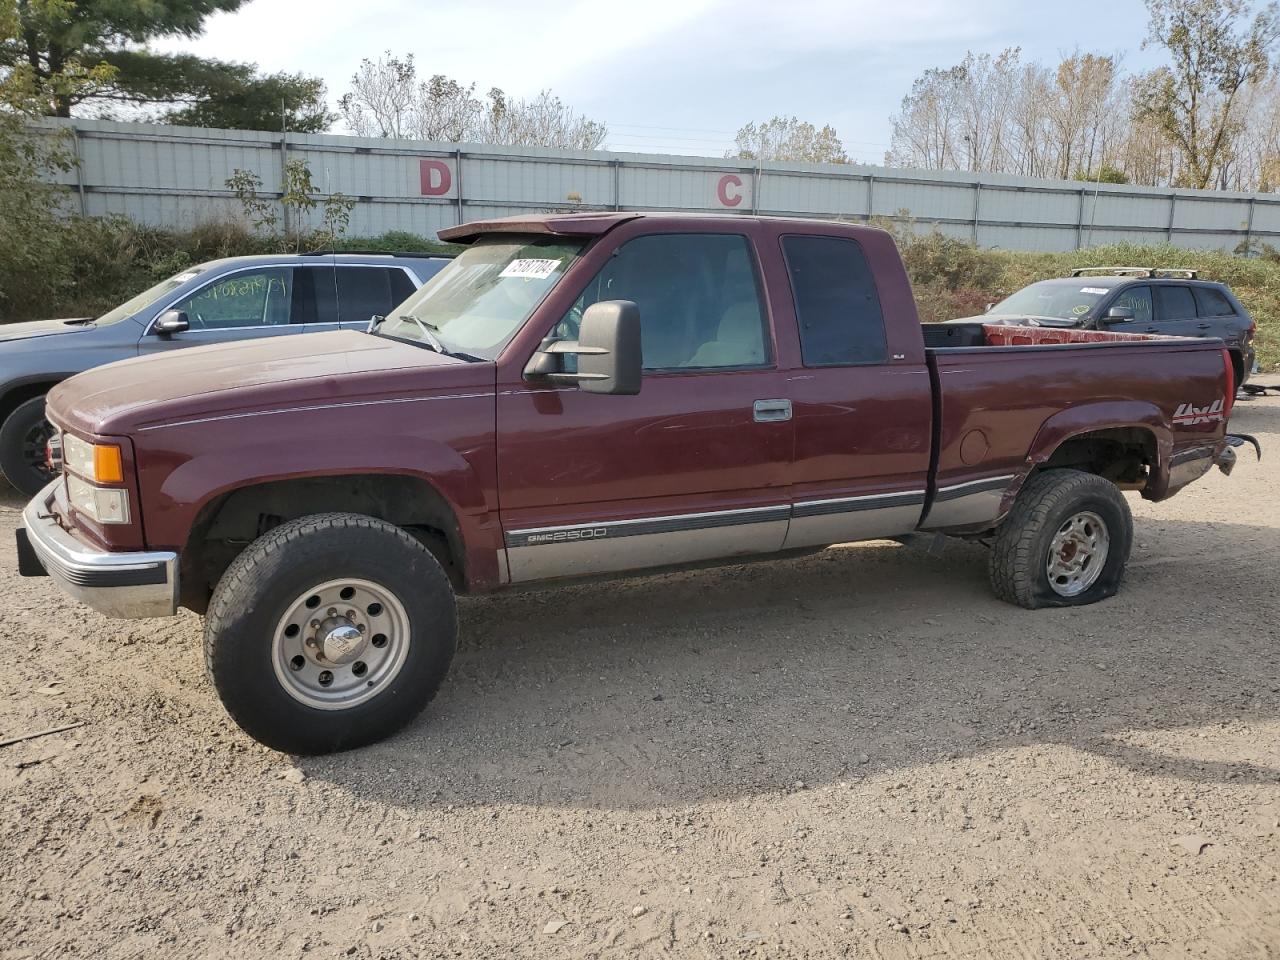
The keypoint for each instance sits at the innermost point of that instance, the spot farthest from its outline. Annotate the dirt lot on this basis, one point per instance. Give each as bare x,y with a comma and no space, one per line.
857,754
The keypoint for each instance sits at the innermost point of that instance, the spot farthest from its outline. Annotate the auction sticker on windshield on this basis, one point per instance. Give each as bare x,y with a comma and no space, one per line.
530,269
1099,291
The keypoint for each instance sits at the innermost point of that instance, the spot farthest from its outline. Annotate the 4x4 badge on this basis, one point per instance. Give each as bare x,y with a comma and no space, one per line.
1188,414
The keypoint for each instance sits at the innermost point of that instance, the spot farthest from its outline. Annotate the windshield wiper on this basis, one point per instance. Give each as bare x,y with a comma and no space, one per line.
428,332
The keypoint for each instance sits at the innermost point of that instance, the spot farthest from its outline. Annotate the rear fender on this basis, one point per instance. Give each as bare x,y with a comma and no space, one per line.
1091,418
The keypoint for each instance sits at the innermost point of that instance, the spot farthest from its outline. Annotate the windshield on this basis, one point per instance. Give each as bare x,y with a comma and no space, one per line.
148,296
1069,303
475,305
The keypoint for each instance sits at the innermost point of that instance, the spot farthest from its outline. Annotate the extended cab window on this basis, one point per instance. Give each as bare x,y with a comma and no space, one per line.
1212,303
837,305
251,298
698,298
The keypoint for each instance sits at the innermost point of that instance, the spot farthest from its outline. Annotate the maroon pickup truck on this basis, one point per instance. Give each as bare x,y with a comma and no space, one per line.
578,395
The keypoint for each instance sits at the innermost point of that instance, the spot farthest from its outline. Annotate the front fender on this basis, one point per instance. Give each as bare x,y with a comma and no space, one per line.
185,468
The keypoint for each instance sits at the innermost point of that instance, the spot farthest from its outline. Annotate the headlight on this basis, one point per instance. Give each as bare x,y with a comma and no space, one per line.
104,506
99,462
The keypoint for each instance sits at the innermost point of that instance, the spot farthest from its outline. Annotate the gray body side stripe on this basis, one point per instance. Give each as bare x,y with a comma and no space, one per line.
822,508
973,486
614,529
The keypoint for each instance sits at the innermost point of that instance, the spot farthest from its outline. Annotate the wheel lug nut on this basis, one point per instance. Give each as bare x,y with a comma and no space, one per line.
351,614
315,624
333,611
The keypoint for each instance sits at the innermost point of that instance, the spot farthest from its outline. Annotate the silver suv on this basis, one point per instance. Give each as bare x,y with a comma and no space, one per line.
239,298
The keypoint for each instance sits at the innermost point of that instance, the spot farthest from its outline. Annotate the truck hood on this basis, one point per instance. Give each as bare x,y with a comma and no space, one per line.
252,376
44,328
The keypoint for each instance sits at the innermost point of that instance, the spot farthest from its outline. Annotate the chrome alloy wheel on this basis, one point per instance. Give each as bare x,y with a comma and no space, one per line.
340,643
1077,554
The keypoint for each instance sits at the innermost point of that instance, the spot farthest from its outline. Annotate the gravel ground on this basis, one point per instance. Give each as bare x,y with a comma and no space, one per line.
861,753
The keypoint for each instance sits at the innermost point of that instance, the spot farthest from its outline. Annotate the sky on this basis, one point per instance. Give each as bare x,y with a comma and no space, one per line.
678,76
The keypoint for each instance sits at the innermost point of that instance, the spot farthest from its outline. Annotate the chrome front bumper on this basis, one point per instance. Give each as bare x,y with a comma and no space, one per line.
120,585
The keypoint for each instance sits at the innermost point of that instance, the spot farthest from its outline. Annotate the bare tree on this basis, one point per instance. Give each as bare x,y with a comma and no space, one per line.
1215,54
381,98
388,99
924,131
544,121
788,139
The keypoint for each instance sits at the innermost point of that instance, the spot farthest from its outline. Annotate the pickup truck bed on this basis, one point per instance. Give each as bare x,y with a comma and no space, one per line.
585,395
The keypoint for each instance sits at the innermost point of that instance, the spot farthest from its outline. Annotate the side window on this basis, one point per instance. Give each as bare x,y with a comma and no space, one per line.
1137,299
253,298
1175,303
698,297
1212,303
837,305
364,293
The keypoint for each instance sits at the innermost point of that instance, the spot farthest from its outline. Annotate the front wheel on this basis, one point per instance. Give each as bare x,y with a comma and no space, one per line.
330,632
1064,543
23,439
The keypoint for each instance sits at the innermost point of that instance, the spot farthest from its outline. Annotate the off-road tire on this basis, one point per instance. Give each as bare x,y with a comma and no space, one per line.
23,475
255,593
1019,555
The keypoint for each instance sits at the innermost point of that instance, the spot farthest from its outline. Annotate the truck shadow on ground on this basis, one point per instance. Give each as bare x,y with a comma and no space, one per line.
744,680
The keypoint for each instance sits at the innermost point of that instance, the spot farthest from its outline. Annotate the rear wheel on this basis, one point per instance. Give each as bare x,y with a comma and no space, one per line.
1064,543
23,438
330,632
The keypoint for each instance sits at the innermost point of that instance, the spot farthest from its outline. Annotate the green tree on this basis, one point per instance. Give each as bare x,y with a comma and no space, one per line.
235,96
1104,174
1215,53
788,139
75,52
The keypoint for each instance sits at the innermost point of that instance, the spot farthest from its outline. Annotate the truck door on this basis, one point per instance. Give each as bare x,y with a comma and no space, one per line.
695,466
863,403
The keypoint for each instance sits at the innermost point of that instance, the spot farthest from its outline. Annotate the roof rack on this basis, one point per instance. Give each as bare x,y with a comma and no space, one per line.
1148,272
378,253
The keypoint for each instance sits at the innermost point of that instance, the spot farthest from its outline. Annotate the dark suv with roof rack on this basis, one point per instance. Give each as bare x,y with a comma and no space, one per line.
239,298
1172,302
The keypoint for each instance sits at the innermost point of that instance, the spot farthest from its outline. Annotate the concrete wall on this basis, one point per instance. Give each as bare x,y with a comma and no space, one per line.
177,175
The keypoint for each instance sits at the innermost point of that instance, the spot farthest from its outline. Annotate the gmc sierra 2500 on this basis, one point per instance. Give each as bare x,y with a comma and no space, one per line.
588,394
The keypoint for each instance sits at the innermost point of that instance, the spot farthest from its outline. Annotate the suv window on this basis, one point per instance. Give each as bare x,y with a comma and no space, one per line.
251,298
1137,299
366,292
1175,303
837,305
698,297
1212,303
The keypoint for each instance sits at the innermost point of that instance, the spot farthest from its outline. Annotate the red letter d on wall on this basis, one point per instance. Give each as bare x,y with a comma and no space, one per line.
436,177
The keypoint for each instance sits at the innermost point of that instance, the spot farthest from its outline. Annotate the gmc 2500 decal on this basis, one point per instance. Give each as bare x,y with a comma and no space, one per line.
1188,414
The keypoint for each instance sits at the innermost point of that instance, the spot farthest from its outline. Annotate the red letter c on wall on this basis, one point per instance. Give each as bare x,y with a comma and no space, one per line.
728,199
436,177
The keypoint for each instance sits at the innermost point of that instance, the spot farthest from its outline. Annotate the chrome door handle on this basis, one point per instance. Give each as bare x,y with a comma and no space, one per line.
1203,326
771,411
